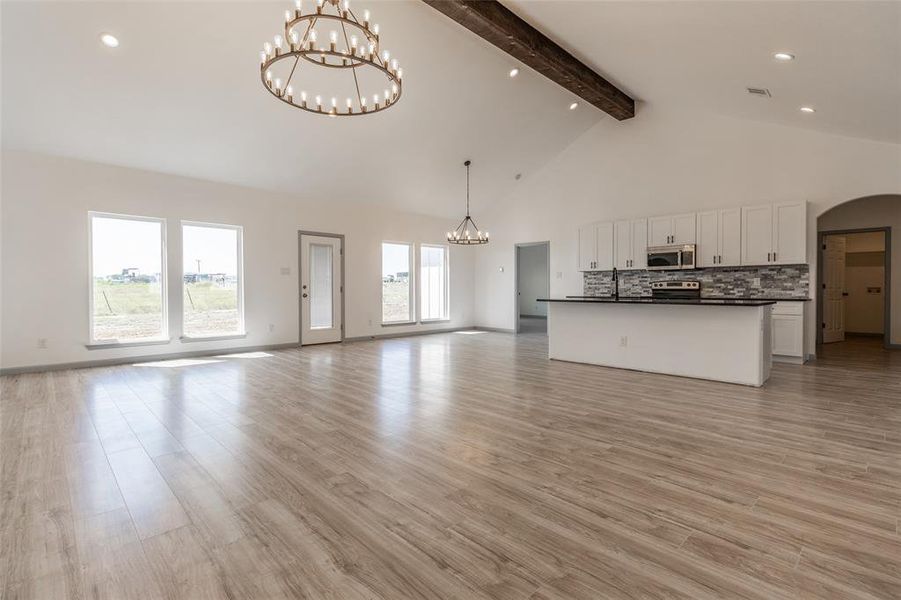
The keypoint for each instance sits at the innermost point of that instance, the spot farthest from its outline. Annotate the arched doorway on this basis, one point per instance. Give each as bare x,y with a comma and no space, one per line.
859,272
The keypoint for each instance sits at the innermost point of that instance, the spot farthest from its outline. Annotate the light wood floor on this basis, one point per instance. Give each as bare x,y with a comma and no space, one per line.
451,466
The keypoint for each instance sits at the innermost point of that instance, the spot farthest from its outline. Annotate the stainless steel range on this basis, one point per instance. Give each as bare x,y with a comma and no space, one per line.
675,289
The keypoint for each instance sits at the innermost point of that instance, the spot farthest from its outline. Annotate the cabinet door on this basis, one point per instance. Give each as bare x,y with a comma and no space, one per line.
757,235
684,229
730,237
640,244
604,247
790,233
708,238
788,335
588,247
622,244
659,231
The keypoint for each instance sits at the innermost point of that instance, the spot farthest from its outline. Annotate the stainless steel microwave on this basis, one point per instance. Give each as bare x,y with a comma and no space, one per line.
671,258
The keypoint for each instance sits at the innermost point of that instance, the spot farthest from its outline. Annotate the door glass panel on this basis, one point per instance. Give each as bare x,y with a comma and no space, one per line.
321,292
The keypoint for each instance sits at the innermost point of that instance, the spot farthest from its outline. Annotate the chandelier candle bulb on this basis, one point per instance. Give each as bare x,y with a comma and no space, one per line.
366,18
303,99
287,16
294,41
332,39
375,30
278,86
289,94
319,103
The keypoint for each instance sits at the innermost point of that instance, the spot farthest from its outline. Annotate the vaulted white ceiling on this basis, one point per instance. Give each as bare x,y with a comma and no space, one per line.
182,93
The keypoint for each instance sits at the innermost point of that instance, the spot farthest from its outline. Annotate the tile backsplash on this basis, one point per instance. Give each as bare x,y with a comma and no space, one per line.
784,281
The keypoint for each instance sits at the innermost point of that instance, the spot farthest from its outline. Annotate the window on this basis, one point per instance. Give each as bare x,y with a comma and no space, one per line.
213,286
397,287
128,278
433,282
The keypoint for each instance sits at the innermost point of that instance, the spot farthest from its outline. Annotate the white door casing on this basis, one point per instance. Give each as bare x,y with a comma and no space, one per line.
833,289
321,289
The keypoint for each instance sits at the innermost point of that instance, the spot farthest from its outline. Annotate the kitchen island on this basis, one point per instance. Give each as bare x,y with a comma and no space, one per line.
722,340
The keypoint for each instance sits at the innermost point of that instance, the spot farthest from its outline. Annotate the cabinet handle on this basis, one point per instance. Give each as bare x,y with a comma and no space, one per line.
774,257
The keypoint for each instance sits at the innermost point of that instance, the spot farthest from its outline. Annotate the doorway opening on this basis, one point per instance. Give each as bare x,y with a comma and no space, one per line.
533,281
854,296
321,282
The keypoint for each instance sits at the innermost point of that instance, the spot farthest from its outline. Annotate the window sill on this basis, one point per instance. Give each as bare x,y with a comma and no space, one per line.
398,323
430,321
212,338
106,345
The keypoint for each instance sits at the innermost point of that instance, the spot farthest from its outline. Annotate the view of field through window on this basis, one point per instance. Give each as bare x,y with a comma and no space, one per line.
396,298
211,285
127,268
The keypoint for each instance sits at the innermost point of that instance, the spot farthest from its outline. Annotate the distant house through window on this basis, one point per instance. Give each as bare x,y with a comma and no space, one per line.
433,282
213,292
397,287
128,278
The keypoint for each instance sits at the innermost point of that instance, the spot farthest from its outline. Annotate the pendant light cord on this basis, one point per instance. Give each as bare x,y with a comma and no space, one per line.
467,188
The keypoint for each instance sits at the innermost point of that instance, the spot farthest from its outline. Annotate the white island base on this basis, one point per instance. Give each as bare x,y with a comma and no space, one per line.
723,343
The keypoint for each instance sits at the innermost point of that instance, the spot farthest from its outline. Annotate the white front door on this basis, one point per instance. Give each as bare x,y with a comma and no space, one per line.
320,290
833,289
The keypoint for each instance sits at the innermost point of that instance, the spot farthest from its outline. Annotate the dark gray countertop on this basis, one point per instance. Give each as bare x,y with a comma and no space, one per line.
649,300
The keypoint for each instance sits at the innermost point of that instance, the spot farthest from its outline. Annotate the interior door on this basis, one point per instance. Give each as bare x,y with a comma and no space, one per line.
321,319
833,289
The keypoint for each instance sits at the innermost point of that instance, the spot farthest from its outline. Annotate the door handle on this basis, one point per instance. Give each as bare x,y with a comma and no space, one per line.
304,295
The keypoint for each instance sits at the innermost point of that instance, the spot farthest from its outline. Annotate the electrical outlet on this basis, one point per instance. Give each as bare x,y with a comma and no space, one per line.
271,327
42,343
286,270
755,282
624,341
370,322
559,274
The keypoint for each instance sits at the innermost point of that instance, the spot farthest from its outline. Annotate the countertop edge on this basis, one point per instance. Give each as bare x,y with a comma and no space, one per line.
643,301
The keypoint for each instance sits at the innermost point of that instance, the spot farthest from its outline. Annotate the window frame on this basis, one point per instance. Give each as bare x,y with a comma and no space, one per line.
446,316
164,337
411,278
242,326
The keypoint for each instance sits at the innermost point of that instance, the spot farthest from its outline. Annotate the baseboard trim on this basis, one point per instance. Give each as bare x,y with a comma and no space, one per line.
794,360
385,336
109,362
495,329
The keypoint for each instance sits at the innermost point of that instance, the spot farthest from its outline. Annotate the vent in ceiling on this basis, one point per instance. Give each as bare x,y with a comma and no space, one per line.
760,92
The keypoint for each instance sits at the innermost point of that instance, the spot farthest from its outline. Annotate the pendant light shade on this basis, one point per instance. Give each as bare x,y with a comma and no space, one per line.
467,232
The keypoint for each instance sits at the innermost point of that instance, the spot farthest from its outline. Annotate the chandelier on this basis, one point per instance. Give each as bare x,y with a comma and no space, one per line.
352,45
467,232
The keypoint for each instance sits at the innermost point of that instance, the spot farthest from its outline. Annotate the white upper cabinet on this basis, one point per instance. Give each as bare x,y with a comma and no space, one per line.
588,247
631,244
604,261
757,235
730,237
708,238
672,229
774,234
790,233
719,238
639,244
596,247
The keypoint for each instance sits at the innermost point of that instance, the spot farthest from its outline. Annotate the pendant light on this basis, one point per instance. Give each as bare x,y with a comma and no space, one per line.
467,232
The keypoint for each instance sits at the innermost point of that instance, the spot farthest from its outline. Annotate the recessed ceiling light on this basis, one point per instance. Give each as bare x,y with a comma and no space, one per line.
808,109
109,40
784,56
514,72
573,106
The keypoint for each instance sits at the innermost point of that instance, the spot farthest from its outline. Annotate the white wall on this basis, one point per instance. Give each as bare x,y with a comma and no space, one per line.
533,280
45,288
877,211
668,162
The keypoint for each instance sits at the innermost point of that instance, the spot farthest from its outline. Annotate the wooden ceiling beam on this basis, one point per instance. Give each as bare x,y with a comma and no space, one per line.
497,24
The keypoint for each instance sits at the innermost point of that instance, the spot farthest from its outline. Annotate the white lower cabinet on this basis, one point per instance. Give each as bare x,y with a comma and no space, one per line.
788,331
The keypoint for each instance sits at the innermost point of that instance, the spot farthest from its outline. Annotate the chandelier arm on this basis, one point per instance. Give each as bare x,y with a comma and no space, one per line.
354,71
296,60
